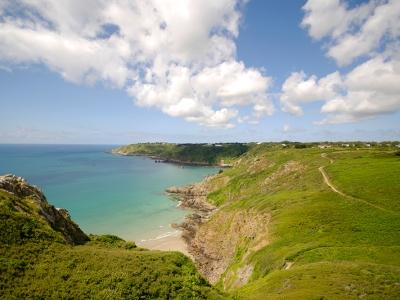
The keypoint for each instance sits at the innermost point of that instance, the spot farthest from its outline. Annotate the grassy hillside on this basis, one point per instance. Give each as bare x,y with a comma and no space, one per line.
38,262
210,154
292,237
292,223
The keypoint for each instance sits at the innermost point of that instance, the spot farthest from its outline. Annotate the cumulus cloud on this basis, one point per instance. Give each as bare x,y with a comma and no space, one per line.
369,31
177,56
353,32
370,89
297,90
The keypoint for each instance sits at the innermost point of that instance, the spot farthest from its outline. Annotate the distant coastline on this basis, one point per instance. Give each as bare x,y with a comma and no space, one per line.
172,161
210,155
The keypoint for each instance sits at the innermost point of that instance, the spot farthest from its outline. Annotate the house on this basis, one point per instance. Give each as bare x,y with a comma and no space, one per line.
345,145
324,146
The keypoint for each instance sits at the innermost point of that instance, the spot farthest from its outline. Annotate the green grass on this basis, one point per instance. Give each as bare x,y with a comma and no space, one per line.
373,177
36,262
339,247
326,280
94,271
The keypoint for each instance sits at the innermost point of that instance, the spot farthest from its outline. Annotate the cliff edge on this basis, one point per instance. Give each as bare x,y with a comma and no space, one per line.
58,219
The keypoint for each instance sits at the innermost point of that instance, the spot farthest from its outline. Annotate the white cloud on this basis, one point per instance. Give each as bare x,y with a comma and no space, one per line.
286,128
370,89
353,32
369,31
297,90
177,56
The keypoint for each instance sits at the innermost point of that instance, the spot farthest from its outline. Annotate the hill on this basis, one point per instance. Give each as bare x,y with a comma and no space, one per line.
195,154
44,255
285,222
301,224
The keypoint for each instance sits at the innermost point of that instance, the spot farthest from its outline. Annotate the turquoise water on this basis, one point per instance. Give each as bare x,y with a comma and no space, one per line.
104,193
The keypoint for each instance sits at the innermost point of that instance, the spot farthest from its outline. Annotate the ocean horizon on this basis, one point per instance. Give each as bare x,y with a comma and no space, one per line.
104,193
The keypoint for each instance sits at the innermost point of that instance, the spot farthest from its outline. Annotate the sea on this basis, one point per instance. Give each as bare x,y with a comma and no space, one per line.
105,193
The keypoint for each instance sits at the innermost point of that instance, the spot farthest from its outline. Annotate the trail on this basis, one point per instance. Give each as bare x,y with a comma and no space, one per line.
333,188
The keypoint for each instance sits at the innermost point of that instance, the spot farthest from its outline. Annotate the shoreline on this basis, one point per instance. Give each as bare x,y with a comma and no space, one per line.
159,159
191,198
169,242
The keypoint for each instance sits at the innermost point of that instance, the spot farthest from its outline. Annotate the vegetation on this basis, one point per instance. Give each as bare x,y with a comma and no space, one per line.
37,262
283,231
209,154
318,244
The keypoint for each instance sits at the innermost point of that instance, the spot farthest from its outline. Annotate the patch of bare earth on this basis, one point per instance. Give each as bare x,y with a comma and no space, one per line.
288,168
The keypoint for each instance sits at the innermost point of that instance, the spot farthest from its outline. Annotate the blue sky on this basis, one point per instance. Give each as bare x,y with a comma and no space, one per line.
44,100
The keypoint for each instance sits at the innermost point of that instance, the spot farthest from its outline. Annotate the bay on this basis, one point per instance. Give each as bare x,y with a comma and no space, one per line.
105,193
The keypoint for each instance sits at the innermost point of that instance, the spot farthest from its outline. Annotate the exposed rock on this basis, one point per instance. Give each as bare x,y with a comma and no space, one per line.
215,242
58,219
193,196
213,235
243,275
19,187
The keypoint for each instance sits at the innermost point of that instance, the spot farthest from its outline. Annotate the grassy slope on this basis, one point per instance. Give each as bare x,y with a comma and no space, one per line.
198,153
337,247
36,262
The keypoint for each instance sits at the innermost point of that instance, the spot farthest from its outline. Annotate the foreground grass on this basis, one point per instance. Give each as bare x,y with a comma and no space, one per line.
89,271
37,263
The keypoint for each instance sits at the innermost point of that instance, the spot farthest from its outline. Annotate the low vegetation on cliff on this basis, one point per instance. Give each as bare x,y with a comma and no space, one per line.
44,255
282,230
202,154
285,222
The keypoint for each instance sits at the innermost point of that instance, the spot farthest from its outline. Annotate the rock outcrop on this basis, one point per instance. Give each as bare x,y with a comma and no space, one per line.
193,196
58,219
214,235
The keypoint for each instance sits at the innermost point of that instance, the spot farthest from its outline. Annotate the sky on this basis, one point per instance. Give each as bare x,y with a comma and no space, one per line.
118,71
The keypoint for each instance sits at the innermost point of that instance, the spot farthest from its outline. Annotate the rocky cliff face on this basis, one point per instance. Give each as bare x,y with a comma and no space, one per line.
193,196
58,219
215,235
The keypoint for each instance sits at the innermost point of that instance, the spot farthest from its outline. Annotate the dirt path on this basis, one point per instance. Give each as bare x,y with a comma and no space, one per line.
333,188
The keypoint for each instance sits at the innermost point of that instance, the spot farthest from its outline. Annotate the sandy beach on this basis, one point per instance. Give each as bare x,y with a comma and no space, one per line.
172,242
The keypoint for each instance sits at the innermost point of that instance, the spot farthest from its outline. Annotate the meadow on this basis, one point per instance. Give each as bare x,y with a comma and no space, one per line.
318,243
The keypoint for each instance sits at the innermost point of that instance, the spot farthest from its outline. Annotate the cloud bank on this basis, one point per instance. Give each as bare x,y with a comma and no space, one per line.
177,56
368,33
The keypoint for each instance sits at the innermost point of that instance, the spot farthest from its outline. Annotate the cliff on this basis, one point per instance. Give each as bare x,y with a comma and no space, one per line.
44,255
58,219
191,154
270,226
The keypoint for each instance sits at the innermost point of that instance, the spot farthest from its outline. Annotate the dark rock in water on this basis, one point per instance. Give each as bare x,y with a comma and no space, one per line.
58,219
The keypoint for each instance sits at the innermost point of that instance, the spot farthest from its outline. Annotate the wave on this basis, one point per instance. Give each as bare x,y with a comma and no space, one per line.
164,235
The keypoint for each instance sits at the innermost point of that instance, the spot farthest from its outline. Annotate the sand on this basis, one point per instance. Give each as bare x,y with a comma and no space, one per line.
173,242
